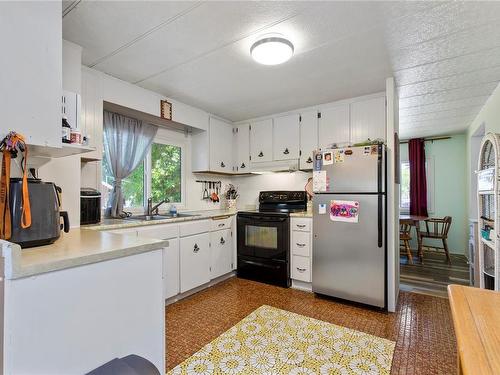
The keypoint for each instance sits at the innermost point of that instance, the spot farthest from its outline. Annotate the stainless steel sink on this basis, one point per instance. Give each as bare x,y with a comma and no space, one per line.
158,217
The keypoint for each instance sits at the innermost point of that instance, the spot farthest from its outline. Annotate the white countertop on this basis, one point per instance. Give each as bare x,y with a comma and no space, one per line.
303,214
109,224
76,248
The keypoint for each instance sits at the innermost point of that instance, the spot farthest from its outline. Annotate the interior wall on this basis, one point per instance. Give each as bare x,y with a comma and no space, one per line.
489,118
450,192
250,186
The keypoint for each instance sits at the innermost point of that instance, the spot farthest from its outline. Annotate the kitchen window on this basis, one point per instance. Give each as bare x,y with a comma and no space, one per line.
160,176
404,187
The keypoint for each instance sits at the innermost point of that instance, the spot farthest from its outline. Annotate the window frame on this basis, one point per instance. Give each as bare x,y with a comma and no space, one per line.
429,171
166,140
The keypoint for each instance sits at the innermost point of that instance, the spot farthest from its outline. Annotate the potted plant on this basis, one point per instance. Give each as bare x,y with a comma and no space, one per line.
231,194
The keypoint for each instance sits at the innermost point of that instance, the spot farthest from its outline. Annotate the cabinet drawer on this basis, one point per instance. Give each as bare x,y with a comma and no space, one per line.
301,268
301,224
161,232
222,222
194,227
301,243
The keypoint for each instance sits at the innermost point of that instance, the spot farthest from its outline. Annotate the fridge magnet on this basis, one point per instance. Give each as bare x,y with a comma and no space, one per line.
318,161
374,150
327,158
346,211
319,181
348,152
322,208
366,150
338,156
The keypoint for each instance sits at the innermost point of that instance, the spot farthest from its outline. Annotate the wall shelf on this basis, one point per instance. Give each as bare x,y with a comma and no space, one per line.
57,152
489,211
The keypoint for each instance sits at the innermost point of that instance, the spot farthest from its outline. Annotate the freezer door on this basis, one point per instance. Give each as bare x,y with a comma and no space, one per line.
359,170
349,258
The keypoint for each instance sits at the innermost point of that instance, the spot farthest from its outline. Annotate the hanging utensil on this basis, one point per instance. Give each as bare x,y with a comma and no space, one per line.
205,191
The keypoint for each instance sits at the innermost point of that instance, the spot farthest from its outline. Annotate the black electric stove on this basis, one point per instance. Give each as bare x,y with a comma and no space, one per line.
264,237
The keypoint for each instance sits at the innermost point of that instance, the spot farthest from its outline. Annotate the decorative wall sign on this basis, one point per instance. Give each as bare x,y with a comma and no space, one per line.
346,211
165,110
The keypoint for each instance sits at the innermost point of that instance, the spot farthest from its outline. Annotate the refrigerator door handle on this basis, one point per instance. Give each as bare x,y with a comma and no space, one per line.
379,220
379,169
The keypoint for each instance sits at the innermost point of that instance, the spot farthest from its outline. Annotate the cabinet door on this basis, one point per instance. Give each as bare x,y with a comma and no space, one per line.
368,119
221,147
91,112
242,148
195,261
171,268
286,137
261,141
221,253
333,125
308,138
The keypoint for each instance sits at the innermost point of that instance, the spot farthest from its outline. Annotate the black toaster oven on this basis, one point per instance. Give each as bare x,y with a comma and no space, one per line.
90,206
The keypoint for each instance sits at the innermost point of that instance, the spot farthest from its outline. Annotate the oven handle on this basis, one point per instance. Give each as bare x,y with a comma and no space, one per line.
261,264
266,219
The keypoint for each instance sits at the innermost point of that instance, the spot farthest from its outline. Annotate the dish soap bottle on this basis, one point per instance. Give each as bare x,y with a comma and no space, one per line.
173,210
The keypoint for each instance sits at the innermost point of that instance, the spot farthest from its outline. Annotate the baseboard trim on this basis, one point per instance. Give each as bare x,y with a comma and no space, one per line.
188,293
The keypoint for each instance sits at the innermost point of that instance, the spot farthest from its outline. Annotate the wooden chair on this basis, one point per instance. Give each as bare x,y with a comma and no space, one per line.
405,237
436,228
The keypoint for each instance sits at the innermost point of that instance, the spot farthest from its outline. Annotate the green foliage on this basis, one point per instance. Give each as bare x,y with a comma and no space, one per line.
165,177
165,172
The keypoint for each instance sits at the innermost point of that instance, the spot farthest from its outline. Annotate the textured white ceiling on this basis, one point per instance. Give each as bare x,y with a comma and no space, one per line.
445,56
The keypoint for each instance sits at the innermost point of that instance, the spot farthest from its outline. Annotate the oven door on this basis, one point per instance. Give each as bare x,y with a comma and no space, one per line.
263,236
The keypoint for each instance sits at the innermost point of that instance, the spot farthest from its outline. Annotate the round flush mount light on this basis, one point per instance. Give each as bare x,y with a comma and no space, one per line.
272,50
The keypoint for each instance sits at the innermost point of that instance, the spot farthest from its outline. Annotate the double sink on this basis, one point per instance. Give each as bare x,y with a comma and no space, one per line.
159,217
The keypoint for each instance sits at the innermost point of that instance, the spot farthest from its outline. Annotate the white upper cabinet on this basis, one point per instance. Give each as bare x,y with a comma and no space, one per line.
308,138
241,148
333,125
221,146
261,141
368,119
286,137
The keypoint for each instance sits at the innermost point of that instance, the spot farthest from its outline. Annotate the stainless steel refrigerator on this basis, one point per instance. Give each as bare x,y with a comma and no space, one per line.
349,224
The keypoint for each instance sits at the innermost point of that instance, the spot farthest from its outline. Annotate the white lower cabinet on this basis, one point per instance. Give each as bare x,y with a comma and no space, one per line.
221,253
301,268
194,261
171,268
301,248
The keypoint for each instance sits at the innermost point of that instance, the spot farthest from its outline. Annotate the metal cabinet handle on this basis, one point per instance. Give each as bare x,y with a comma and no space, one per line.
243,165
222,164
301,269
286,152
221,225
300,244
300,225
309,160
196,248
261,154
222,241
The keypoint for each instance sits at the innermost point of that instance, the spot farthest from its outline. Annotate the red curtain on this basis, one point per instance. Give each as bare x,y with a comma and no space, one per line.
418,179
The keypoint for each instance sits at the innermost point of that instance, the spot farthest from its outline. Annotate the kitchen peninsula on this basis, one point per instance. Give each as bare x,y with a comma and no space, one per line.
73,305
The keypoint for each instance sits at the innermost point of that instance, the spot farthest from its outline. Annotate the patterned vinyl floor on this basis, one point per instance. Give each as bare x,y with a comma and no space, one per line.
275,341
421,327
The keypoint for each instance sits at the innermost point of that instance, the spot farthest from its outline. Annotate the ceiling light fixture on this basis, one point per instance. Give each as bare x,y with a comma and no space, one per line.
272,50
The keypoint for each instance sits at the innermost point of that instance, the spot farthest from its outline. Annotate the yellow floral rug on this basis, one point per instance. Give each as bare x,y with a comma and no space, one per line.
273,341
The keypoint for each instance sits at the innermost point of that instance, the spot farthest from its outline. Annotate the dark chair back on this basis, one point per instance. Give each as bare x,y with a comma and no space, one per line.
438,228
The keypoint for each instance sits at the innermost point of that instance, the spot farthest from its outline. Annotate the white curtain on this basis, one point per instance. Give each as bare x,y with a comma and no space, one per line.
127,142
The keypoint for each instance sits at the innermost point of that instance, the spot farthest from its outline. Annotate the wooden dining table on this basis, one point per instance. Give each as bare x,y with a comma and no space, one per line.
414,221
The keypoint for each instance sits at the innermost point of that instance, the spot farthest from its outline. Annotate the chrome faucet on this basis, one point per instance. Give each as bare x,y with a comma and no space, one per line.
153,210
